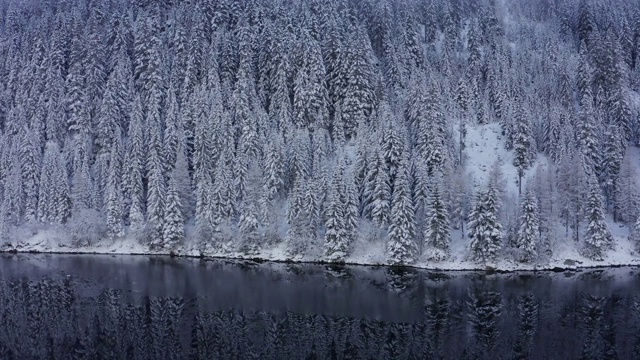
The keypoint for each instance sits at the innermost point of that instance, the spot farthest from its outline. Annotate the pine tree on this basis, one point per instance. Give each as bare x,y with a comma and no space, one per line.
114,200
50,179
401,246
485,230
528,231
612,156
598,237
349,198
30,169
587,133
156,191
335,242
522,143
133,170
627,199
437,230
309,89
379,188
459,201
248,212
173,222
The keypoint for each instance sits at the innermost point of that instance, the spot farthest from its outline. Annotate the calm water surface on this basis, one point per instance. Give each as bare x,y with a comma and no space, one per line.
125,307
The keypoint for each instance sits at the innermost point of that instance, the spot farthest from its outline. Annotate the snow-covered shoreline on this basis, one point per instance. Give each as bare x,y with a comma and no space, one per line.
567,260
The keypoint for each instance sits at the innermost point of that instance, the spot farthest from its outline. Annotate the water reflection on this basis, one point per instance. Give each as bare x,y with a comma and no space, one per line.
114,308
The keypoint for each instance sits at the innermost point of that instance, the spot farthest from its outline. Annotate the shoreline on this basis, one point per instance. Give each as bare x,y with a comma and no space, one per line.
448,267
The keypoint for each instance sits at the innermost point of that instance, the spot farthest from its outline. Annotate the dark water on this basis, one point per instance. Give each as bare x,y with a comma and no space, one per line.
104,307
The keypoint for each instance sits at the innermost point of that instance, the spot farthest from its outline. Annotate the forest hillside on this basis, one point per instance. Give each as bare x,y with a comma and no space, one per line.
434,133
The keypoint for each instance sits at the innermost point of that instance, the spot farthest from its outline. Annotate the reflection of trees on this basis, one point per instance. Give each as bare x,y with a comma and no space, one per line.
485,308
69,326
591,315
527,325
402,280
437,308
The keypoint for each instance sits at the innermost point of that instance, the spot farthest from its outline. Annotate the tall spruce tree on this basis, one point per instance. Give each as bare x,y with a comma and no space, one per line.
401,246
437,230
484,229
598,236
528,231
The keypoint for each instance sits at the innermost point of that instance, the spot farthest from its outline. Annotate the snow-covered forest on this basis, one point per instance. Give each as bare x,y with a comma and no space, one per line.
386,131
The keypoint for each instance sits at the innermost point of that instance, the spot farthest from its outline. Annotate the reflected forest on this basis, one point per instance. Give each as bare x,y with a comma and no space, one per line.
466,316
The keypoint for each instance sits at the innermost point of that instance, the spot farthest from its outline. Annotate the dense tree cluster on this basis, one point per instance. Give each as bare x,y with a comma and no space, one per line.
238,124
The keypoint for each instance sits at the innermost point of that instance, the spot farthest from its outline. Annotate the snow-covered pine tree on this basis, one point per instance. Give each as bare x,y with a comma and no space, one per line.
134,168
393,146
545,189
47,198
380,192
309,89
13,186
61,198
173,222
349,198
598,236
612,154
437,230
248,213
401,246
82,191
484,229
156,190
335,241
203,209
30,158
587,133
115,227
522,143
627,198
459,200
274,167
528,231
183,182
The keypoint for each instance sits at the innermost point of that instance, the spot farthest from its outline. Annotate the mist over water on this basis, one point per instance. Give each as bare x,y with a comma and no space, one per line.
125,307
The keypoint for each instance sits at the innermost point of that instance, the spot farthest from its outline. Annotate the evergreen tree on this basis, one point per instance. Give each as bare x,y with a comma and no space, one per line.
114,200
310,91
335,242
173,222
612,155
379,189
485,230
53,205
156,191
627,200
401,246
528,231
30,170
437,230
587,133
598,237
522,143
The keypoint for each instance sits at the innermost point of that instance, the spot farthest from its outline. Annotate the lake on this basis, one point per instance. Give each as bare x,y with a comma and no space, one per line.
137,307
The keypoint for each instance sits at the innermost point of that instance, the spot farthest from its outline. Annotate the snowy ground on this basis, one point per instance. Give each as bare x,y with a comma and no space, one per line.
364,253
565,257
484,146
